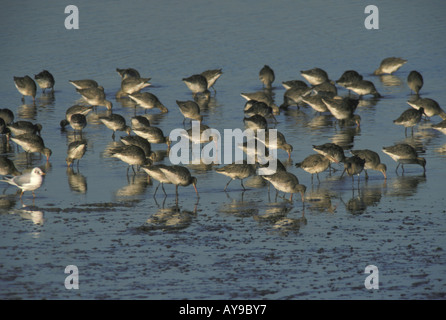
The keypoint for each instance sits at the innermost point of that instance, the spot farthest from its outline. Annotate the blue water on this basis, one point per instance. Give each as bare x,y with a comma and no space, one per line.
227,245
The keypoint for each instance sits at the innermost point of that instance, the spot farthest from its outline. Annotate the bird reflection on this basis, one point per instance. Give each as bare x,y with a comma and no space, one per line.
7,202
287,225
32,213
404,186
239,208
274,212
137,185
390,80
372,194
203,100
361,199
441,149
207,104
255,182
159,155
76,181
320,122
368,103
201,167
47,99
126,102
345,137
27,111
170,219
319,199
355,205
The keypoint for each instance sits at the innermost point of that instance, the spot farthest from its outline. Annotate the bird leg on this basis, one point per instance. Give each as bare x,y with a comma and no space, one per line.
156,189
227,184
241,181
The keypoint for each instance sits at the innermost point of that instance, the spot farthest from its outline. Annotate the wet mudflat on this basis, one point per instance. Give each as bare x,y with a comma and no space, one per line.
237,244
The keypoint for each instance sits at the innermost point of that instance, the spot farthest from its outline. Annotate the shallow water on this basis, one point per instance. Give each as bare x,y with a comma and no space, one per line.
232,245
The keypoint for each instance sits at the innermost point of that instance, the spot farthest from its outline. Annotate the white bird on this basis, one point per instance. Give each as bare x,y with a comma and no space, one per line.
28,181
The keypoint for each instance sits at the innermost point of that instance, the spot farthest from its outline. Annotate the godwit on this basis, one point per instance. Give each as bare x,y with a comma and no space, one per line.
144,144
294,83
315,101
348,77
212,76
363,88
280,142
139,122
196,83
84,83
440,126
315,76
353,166
237,171
78,122
153,135
266,170
115,122
372,161
20,127
254,149
286,182
343,108
266,76
26,86
332,151
132,155
95,97
7,115
128,73
294,96
389,66
430,106
32,143
409,118
147,101
405,154
7,167
326,87
76,109
262,96
253,107
203,137
154,171
415,81
76,151
180,176
27,181
314,164
45,80
132,85
255,122
190,110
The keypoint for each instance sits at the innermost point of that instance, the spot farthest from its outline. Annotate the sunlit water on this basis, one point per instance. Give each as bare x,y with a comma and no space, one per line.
233,245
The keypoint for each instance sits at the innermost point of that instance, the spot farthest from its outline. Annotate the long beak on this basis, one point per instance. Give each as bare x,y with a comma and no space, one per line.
196,191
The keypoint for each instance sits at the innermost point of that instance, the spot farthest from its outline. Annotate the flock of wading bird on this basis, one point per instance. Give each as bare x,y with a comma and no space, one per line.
318,92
